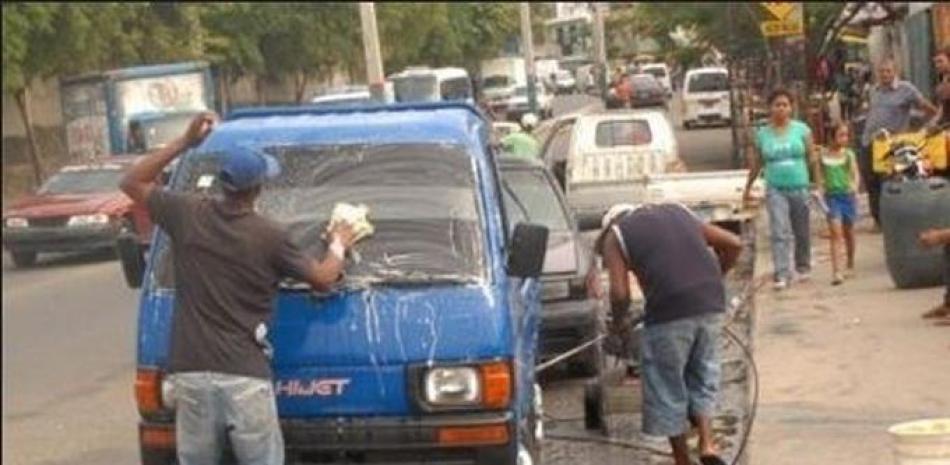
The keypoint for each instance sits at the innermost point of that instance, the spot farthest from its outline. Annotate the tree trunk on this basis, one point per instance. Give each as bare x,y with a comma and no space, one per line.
225,92
300,86
258,88
23,103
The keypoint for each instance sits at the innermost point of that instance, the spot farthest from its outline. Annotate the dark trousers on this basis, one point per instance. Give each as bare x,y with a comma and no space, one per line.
872,182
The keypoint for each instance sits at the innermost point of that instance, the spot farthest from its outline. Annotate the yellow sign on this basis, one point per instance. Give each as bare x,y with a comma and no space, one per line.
780,28
779,9
789,22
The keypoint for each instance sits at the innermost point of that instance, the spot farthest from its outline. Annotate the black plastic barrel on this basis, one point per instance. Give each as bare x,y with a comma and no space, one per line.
907,208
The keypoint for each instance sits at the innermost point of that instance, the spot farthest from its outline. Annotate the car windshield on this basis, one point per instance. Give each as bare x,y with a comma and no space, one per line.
622,133
422,201
708,82
419,88
530,198
496,81
644,82
160,132
83,181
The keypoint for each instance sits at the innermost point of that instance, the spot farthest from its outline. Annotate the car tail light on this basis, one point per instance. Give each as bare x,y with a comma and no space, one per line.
148,391
496,385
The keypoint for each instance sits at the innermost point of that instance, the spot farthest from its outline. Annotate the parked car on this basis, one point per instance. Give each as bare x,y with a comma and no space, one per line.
662,73
80,208
706,97
647,92
599,155
425,352
564,82
518,104
568,317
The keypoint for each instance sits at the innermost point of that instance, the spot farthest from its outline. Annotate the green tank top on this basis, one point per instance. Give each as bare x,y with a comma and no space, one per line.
837,170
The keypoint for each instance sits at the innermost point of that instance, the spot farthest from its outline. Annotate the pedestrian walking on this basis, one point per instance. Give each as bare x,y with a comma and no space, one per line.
667,248
228,261
784,150
837,180
891,101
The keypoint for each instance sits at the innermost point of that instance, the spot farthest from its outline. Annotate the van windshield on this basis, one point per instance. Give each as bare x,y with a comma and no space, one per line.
417,88
422,201
459,88
708,82
492,82
656,72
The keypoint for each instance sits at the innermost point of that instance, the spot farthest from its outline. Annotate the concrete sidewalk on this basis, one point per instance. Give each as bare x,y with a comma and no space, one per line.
839,365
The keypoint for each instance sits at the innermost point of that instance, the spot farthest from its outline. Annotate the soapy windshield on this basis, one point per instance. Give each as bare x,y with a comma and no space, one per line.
422,200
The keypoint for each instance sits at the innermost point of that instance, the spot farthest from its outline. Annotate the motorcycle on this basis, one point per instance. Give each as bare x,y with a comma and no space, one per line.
911,155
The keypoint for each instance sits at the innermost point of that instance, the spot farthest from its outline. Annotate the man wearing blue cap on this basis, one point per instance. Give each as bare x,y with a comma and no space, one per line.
228,261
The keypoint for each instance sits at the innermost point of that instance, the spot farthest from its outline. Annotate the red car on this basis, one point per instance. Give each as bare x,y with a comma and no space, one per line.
80,208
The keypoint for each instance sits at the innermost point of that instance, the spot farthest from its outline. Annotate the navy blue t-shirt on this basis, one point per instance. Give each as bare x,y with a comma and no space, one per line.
679,274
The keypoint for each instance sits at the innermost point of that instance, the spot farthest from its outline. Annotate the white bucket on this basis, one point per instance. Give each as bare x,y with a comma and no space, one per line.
922,442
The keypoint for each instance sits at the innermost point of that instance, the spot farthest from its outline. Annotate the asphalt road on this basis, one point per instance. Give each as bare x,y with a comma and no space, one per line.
69,349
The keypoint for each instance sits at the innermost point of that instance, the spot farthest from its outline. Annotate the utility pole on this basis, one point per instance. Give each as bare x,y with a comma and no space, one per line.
600,49
527,44
730,59
374,60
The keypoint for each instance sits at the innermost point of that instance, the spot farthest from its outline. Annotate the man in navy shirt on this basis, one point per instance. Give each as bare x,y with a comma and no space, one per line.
668,249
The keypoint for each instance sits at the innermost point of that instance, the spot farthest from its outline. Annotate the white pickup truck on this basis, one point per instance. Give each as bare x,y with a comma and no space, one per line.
612,157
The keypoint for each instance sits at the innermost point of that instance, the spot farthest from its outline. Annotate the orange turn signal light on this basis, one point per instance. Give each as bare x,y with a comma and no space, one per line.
473,435
148,391
496,385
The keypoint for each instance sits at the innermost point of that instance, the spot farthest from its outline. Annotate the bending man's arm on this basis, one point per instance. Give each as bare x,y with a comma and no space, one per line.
727,245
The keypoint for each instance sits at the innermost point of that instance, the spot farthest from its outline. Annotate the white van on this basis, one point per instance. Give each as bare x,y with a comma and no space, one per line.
421,84
662,73
706,97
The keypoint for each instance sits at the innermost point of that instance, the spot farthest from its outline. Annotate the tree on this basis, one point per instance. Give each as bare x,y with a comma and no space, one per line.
27,33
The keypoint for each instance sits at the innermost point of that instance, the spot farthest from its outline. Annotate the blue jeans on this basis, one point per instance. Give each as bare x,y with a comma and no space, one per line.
789,220
680,372
211,408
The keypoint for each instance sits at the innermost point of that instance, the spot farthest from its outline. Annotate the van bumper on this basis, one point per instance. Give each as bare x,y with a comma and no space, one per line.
391,441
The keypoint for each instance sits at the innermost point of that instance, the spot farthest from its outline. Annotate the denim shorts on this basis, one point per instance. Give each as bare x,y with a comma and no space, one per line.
215,409
680,372
842,207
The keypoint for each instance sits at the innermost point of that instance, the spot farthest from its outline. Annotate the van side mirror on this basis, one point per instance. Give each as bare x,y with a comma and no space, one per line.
132,259
529,243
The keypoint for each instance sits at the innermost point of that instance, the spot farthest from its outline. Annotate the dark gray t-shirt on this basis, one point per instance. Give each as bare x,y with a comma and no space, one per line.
667,251
228,265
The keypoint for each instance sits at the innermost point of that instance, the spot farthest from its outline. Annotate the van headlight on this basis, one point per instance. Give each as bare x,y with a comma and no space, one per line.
476,386
452,386
88,220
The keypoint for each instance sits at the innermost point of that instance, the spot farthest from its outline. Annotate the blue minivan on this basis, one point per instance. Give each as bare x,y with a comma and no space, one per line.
425,353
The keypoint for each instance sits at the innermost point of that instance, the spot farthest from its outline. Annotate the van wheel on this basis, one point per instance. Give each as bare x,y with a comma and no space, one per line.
687,125
24,259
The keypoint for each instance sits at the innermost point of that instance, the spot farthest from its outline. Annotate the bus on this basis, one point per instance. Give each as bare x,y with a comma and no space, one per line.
421,84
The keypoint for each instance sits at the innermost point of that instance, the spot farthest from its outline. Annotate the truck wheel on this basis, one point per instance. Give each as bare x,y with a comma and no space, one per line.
24,259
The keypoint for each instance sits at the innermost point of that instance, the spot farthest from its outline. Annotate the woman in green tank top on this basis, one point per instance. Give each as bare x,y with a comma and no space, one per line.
838,180
784,151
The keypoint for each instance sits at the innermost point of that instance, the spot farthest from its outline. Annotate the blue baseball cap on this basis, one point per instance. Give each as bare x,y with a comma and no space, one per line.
244,168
